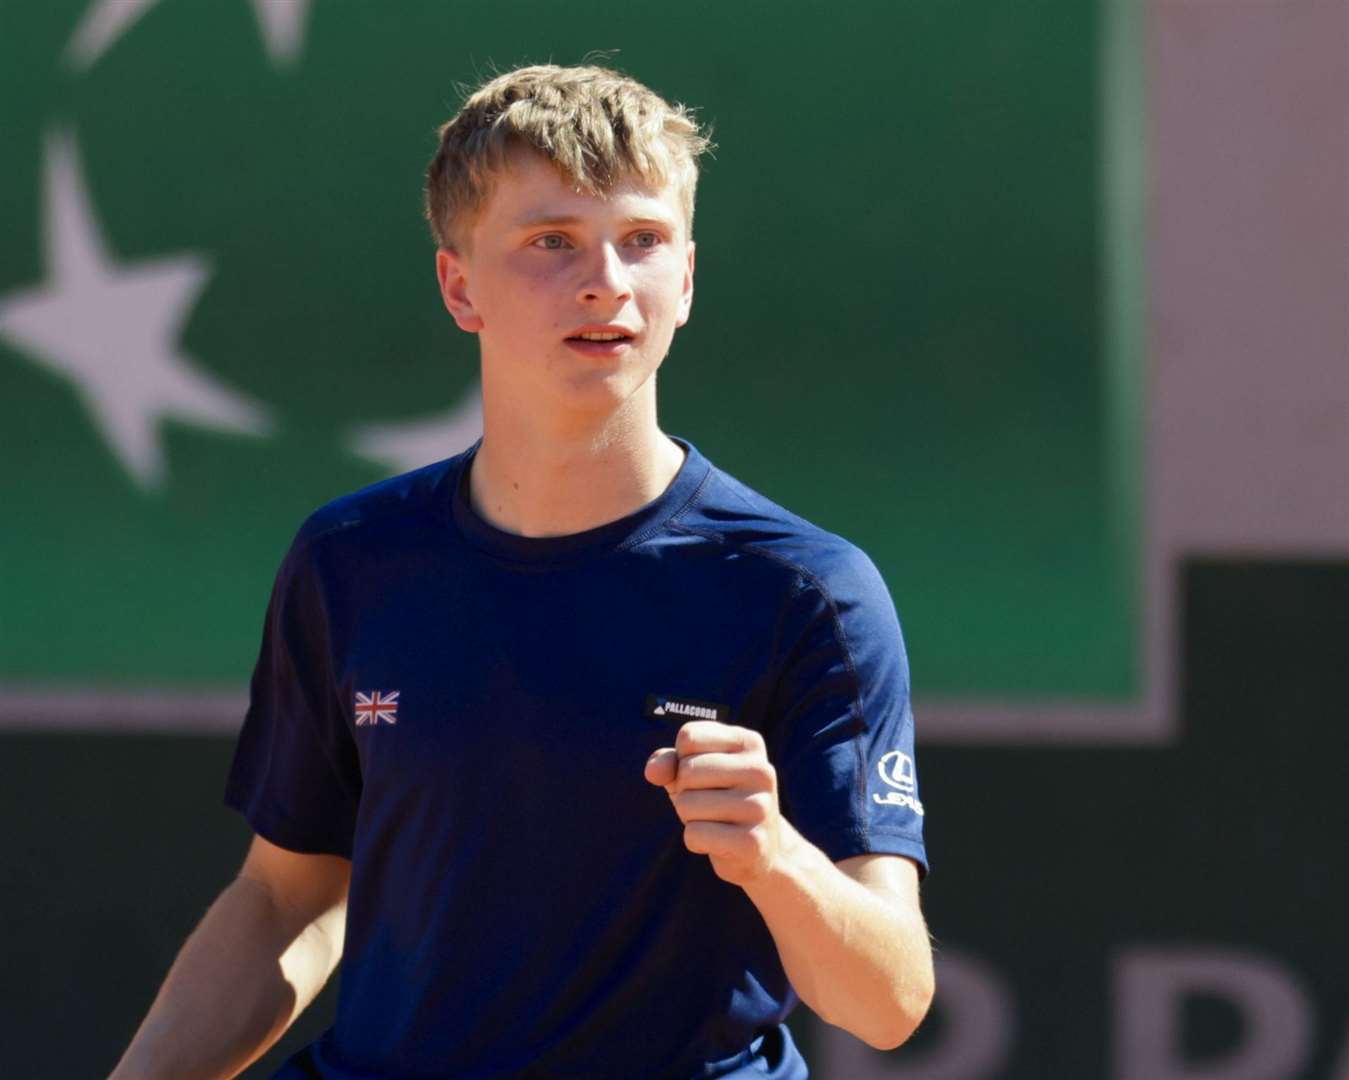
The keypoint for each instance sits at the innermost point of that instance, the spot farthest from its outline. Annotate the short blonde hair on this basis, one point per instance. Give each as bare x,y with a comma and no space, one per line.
597,126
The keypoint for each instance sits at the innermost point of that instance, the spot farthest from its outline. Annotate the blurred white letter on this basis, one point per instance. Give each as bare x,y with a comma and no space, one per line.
1150,990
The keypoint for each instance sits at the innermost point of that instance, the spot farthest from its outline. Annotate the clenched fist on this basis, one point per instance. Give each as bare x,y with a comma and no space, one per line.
726,793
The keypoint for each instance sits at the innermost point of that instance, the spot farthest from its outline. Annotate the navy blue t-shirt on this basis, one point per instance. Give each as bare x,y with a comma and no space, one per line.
466,714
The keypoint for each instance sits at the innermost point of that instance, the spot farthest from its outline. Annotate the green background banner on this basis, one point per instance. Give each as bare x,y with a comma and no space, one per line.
898,329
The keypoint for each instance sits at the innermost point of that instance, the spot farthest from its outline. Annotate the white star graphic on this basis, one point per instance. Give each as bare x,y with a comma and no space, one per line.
282,22
414,443
283,25
112,329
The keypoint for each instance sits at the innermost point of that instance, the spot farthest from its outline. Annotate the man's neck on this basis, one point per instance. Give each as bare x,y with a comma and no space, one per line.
535,480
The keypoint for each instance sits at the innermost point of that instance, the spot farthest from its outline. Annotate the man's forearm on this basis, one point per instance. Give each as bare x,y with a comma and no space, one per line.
858,962
243,975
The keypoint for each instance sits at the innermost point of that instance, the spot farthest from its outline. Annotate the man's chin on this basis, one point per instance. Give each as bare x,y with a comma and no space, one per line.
600,392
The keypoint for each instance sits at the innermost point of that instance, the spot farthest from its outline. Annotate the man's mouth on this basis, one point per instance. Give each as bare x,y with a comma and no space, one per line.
601,336
601,342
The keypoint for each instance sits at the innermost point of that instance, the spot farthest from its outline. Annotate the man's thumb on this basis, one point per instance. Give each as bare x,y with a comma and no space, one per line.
662,767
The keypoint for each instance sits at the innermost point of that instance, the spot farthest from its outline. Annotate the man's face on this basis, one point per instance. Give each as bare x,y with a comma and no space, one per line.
548,269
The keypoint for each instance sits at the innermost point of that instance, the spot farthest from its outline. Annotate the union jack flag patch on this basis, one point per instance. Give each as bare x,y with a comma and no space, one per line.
375,706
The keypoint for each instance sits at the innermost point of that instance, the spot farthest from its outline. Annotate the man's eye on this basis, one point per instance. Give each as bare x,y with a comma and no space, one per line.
646,239
551,242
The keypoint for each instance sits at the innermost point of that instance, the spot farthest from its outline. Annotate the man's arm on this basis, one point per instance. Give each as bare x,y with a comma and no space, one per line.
851,936
259,956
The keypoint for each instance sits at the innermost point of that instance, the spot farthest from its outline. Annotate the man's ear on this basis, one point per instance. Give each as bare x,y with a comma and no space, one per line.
451,272
686,300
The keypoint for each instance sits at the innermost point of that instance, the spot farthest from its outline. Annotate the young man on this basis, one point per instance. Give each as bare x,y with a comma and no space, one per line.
584,758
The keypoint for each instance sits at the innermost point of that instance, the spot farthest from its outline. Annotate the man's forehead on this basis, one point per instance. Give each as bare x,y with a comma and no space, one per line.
531,190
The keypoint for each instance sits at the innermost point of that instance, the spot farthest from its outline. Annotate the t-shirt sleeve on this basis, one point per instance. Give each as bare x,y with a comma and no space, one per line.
843,738
296,775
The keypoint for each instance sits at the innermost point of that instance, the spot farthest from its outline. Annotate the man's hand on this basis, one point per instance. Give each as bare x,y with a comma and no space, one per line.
726,793
850,935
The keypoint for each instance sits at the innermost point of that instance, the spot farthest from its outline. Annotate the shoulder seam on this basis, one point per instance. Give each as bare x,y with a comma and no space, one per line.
806,575
339,526
384,514
673,520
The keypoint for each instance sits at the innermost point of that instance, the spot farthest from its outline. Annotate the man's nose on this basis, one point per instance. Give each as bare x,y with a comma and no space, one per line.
606,277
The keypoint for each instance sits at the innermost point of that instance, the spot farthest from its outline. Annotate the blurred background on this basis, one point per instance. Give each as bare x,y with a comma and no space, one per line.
1045,305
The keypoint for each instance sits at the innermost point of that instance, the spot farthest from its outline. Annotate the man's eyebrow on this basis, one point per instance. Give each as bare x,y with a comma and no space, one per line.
534,221
649,219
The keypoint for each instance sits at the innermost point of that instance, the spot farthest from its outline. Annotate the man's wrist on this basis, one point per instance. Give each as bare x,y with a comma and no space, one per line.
797,861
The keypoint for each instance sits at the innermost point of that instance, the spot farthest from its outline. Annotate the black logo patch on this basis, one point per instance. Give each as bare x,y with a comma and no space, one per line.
677,710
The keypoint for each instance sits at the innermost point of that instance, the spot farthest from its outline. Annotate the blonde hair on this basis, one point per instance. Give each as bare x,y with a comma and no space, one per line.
597,126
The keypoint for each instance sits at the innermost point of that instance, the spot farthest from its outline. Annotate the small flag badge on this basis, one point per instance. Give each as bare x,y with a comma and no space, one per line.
376,706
